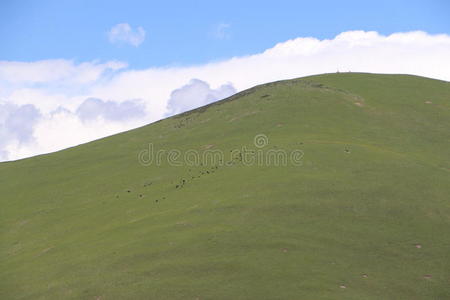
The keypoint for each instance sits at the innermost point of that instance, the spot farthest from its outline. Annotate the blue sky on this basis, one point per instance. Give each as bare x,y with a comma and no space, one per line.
195,32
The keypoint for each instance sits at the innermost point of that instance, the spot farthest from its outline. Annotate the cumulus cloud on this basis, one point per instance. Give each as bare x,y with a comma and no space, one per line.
16,126
124,34
195,94
93,108
55,70
26,131
222,31
81,102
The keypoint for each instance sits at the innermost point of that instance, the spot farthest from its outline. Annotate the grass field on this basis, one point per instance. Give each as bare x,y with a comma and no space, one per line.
365,214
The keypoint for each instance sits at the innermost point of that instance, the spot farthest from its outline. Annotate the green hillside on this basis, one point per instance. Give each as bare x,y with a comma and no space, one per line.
363,213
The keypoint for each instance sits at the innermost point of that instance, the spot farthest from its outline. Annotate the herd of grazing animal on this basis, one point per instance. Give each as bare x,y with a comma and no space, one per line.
193,175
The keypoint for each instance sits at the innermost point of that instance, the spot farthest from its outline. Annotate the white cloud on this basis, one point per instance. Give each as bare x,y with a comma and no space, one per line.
63,129
93,108
123,33
55,70
16,126
222,31
195,94
26,131
61,90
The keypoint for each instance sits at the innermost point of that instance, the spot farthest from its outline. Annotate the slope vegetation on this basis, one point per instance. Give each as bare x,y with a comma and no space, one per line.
326,187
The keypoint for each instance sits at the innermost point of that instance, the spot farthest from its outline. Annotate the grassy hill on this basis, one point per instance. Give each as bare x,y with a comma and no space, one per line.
363,213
